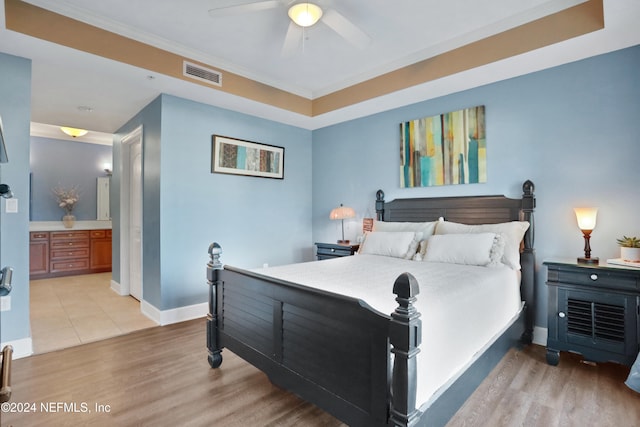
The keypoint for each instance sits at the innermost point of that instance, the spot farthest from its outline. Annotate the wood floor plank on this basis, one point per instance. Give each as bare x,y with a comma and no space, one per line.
160,377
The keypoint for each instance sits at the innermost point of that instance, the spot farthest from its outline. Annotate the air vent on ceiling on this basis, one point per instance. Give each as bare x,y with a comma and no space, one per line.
201,73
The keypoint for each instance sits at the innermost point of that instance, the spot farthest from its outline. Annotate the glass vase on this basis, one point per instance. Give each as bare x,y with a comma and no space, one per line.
68,220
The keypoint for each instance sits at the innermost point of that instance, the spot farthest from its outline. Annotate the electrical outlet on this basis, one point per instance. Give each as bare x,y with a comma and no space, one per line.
5,303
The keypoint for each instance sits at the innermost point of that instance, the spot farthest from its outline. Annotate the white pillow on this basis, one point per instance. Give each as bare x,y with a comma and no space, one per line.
401,244
426,228
468,249
511,232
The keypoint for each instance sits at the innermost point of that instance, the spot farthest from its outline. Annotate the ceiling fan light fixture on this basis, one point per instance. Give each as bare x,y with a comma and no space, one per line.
305,14
74,132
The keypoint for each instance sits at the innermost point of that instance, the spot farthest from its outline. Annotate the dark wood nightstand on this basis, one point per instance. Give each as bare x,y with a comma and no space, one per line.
593,310
335,250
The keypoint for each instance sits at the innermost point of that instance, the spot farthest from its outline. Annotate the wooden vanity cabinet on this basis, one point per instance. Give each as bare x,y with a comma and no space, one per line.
100,253
65,253
38,252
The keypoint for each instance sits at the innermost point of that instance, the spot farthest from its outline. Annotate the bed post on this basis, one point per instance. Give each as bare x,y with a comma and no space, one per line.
213,342
528,261
405,334
380,205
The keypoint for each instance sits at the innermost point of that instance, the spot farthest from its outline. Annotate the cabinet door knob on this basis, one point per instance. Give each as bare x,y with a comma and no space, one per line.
594,277
562,315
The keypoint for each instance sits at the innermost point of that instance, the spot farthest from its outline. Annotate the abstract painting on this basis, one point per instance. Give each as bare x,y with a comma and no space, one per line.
239,157
450,148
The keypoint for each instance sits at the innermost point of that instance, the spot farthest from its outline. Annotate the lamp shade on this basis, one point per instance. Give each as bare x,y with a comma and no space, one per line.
586,218
342,212
305,14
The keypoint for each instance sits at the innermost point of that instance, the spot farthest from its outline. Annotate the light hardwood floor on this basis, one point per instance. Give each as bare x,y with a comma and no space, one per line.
73,310
160,377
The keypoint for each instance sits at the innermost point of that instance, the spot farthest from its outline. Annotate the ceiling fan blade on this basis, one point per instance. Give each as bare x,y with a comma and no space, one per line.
292,40
244,8
347,29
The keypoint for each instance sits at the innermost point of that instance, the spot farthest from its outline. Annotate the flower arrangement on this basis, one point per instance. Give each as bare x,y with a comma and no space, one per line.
67,198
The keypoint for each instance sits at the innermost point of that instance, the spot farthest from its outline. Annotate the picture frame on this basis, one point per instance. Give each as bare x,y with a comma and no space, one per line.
239,157
444,149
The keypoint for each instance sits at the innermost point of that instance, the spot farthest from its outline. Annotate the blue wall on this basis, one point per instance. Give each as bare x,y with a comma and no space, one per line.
66,164
186,207
15,109
573,130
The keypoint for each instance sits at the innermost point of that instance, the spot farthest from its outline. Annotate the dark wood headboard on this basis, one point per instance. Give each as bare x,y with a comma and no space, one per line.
475,210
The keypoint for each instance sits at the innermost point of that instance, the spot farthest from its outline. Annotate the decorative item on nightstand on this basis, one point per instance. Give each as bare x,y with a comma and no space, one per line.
629,249
587,222
342,213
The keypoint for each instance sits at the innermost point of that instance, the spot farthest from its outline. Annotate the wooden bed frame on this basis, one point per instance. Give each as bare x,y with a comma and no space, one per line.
335,351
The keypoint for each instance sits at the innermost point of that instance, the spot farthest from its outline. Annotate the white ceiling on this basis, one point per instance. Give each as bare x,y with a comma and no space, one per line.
401,32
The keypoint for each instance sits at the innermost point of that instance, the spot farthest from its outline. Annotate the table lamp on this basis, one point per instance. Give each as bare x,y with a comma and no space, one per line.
587,222
342,213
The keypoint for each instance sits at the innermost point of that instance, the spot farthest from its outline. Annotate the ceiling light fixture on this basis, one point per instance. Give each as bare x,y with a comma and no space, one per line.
74,132
305,14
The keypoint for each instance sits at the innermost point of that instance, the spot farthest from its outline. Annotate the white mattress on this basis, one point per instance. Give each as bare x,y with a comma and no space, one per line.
463,307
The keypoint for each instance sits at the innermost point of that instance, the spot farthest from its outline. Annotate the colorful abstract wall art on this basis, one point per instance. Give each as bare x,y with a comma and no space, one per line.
450,148
239,157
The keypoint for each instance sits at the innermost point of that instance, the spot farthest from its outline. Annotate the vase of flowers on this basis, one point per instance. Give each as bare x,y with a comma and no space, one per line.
67,199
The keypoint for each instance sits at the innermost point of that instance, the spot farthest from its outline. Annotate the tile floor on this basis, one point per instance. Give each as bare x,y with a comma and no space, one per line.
73,310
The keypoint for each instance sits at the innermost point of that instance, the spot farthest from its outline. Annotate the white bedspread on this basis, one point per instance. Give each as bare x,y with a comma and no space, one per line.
463,307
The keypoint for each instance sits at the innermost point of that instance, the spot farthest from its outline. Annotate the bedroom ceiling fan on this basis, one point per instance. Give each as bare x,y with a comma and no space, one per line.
302,15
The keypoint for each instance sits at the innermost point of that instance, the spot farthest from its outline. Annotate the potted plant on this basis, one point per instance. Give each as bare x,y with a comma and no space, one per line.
629,248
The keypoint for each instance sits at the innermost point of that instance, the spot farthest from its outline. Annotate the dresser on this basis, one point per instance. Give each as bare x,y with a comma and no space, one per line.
593,310
64,253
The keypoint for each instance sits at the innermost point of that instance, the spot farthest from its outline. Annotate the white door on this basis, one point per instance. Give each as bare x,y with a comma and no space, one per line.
131,215
135,220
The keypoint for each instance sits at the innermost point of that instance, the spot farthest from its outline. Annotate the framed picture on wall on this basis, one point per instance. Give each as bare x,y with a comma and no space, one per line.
240,157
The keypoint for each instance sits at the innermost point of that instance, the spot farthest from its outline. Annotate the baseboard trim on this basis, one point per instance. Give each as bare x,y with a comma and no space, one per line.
117,288
21,348
175,315
540,336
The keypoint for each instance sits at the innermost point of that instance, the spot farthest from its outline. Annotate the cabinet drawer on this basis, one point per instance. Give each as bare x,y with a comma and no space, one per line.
595,277
67,235
98,234
346,251
69,244
69,253
38,235
70,265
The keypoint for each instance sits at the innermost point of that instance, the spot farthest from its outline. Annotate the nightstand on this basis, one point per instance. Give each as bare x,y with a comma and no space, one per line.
593,310
335,250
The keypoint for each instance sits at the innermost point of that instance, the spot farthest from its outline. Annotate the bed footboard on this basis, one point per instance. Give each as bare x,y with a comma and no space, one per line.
331,350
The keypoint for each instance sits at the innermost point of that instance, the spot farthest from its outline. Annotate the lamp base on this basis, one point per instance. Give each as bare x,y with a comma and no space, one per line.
583,260
343,242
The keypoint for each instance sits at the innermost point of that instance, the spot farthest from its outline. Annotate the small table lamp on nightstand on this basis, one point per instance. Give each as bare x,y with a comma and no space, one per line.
587,222
342,213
